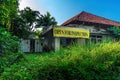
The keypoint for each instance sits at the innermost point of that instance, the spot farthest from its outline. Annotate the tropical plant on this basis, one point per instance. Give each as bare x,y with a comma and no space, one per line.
115,31
46,21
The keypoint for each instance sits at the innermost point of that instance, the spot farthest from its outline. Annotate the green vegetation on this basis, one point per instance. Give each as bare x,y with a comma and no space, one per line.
22,23
16,24
25,22
8,43
9,49
90,62
46,21
94,62
8,12
115,31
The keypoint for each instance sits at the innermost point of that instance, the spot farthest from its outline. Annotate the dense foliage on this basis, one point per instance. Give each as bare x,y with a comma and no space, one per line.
8,43
94,62
27,20
22,23
115,30
25,23
9,49
8,12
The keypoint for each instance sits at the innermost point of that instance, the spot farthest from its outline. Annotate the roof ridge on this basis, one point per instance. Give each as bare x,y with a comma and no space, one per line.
72,18
100,16
85,16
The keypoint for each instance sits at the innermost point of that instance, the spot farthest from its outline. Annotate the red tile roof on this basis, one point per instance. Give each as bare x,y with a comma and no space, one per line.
88,17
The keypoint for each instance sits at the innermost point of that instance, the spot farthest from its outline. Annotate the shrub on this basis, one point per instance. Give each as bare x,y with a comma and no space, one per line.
101,62
8,43
9,50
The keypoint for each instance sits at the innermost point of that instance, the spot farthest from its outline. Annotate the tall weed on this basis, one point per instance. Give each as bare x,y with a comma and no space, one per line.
93,62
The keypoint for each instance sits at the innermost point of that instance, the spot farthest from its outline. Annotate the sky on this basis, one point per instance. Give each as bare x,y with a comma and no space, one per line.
63,10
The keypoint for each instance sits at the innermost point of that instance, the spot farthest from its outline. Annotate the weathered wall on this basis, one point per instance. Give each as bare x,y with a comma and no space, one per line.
26,47
94,30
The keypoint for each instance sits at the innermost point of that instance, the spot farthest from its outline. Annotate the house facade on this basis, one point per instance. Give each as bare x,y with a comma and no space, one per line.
96,25
31,45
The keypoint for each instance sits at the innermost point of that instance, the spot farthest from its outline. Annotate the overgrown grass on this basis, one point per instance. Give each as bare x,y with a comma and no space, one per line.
96,62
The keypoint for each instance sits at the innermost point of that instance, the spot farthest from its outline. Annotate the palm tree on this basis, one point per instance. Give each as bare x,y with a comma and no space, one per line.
46,21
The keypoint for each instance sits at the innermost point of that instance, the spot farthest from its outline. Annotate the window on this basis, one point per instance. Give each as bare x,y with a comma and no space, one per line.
96,38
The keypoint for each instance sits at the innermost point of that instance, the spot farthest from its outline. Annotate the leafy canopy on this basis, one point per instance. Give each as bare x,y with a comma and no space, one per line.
25,22
8,11
22,23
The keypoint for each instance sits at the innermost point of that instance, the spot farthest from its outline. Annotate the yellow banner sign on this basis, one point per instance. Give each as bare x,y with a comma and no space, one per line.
70,32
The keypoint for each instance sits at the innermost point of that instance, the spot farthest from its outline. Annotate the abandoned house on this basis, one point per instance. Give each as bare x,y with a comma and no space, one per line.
96,25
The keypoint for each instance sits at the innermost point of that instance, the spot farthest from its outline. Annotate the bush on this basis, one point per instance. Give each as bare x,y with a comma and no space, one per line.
9,50
101,62
8,43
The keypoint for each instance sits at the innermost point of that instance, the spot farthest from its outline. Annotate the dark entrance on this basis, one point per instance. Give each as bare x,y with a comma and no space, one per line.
32,45
67,41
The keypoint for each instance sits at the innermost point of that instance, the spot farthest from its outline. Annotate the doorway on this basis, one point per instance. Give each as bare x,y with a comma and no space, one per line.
32,45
